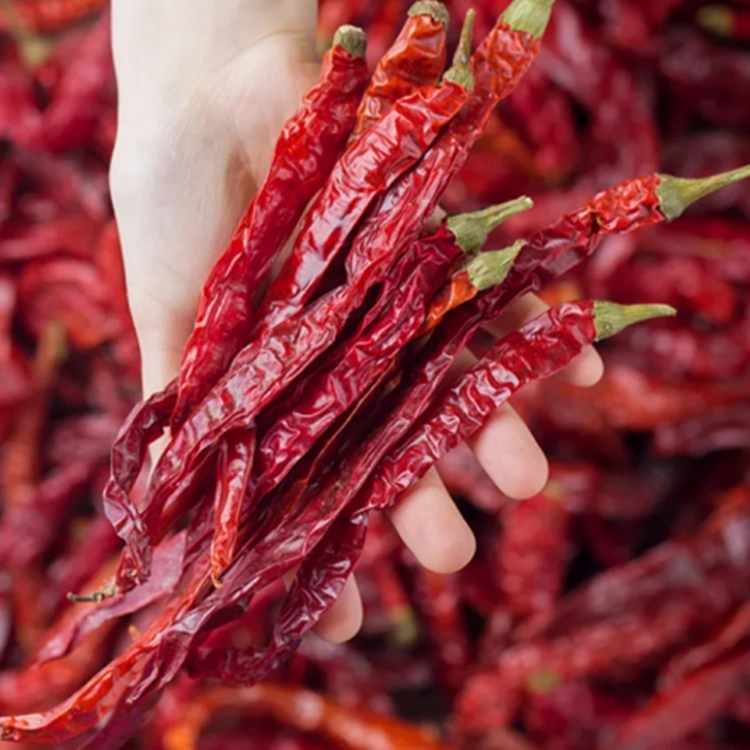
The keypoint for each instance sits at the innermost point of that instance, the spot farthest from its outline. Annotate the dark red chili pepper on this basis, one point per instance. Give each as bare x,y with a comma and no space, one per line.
635,613
305,154
393,321
416,58
305,710
689,705
401,622
533,551
438,601
365,173
538,350
718,429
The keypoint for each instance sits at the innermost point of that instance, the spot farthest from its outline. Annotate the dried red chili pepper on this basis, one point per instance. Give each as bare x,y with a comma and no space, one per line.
360,180
630,615
438,601
308,711
305,154
416,58
391,323
533,551
690,705
538,350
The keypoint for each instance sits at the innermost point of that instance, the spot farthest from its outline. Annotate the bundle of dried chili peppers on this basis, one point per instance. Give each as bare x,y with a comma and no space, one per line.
611,611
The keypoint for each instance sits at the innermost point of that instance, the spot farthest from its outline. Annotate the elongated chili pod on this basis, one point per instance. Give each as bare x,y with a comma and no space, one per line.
415,59
404,301
366,171
305,154
539,349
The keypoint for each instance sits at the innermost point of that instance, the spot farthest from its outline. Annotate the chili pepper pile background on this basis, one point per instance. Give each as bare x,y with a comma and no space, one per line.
611,611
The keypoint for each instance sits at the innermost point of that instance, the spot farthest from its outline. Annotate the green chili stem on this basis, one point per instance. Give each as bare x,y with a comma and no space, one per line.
472,230
492,268
678,193
461,73
437,10
531,16
352,39
611,318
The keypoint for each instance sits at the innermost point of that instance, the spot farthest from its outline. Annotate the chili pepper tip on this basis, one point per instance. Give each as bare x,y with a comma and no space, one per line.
531,16
433,8
472,230
490,269
352,39
611,318
460,73
678,193
716,18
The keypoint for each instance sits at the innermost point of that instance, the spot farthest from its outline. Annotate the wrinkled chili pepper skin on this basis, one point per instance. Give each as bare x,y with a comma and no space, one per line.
538,350
361,360
365,172
689,705
416,58
533,551
304,156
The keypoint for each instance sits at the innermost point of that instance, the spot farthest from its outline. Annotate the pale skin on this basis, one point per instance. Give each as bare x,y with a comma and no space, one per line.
205,88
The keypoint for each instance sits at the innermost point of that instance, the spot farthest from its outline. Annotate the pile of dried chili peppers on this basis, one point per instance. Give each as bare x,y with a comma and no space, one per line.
611,611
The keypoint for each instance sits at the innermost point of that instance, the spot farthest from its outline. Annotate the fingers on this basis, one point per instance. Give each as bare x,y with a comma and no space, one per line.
586,370
344,619
508,452
464,476
430,525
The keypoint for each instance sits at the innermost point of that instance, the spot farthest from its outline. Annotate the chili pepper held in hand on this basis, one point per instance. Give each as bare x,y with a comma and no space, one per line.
404,303
415,59
278,355
366,171
538,350
305,154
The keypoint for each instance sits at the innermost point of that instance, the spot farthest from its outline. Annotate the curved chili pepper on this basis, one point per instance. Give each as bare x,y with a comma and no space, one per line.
415,59
350,729
279,354
305,154
532,555
537,350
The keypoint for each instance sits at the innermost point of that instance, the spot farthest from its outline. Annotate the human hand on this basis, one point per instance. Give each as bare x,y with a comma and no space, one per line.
204,91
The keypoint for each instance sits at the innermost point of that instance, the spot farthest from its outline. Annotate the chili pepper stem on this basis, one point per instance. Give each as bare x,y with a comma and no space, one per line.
472,230
437,10
490,269
611,318
34,49
716,18
531,16
352,39
678,193
106,592
460,73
